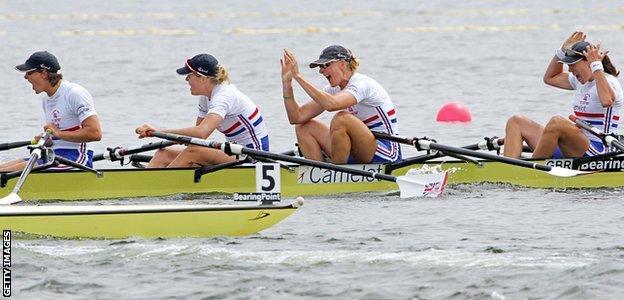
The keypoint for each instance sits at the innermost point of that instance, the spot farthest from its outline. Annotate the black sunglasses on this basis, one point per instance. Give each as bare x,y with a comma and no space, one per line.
326,64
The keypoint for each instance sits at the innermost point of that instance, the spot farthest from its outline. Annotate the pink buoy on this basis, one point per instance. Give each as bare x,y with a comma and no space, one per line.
454,112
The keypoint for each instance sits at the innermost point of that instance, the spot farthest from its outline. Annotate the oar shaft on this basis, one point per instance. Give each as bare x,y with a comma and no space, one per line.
318,164
34,156
487,144
32,161
76,165
425,144
394,138
239,149
7,146
609,139
115,154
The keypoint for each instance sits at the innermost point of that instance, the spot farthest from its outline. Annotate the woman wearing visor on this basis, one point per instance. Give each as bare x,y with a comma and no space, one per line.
221,106
361,105
597,100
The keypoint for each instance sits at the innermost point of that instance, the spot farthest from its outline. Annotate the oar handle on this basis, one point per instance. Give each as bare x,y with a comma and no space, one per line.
608,139
117,153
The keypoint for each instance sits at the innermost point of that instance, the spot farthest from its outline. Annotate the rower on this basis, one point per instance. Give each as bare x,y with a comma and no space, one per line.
68,109
598,100
221,106
361,103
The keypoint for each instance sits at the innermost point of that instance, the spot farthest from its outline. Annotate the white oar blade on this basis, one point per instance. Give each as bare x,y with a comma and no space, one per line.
422,185
563,172
11,198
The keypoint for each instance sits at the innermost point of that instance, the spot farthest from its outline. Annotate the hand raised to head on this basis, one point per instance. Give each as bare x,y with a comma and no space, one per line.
576,37
593,53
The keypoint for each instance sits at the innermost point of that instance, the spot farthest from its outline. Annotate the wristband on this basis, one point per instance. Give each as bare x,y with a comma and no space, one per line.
596,65
560,54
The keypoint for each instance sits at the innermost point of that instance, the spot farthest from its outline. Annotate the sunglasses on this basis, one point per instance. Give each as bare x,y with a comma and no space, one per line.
326,64
196,75
33,71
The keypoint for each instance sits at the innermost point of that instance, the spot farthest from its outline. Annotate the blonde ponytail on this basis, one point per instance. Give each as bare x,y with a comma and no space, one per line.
222,75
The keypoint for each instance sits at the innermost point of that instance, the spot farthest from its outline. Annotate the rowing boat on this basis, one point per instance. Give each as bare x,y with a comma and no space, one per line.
297,180
149,221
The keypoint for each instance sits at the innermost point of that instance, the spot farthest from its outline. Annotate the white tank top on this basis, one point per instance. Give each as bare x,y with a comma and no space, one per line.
67,109
242,120
373,106
587,106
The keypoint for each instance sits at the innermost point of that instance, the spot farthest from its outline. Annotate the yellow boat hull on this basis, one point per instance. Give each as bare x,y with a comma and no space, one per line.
123,183
122,221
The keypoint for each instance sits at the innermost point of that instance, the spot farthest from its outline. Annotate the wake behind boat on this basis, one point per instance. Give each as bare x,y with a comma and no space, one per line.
147,221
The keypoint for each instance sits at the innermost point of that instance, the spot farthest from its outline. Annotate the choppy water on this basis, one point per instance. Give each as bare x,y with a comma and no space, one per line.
476,242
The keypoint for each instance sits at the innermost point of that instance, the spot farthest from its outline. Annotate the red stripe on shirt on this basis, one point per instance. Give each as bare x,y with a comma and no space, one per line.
373,118
589,115
232,127
254,114
72,128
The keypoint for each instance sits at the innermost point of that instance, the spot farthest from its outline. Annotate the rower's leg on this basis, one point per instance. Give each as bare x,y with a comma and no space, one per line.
560,132
313,139
163,157
350,136
13,165
518,129
195,156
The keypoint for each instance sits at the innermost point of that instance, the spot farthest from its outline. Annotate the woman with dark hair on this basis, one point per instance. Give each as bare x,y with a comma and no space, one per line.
68,110
598,101
222,107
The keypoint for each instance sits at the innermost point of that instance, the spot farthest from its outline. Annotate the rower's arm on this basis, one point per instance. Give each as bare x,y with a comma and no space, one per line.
327,101
301,114
298,114
198,121
90,131
605,92
203,130
555,76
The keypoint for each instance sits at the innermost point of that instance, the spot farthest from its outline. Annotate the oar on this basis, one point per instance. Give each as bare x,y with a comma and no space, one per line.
426,144
117,153
13,197
11,145
609,139
426,157
409,186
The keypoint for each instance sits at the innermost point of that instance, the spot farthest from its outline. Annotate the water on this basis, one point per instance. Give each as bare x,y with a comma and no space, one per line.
482,241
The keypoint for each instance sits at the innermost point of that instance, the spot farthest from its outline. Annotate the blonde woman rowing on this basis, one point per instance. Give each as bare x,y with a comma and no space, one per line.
361,105
222,107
